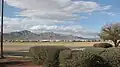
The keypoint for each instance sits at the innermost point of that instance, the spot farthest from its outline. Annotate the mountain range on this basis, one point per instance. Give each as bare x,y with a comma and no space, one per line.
28,35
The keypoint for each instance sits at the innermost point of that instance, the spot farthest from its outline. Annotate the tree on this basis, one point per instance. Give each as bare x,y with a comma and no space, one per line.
111,32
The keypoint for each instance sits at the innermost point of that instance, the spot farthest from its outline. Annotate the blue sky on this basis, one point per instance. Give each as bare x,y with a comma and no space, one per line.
78,17
10,11
100,18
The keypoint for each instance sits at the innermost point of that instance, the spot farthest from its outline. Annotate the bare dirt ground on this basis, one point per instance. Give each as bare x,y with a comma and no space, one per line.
17,62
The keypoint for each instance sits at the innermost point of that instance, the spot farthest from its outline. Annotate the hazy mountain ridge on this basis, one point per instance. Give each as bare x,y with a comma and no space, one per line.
28,35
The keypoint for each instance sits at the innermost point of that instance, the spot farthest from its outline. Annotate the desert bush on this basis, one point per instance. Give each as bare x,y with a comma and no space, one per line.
103,45
96,51
47,56
78,58
112,56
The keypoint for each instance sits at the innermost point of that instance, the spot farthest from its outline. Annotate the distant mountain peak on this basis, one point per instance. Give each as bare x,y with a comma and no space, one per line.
25,31
28,35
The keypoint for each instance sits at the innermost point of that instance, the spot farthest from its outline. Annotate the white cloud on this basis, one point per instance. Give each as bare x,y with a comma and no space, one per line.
76,30
14,24
55,9
46,15
112,14
107,7
109,13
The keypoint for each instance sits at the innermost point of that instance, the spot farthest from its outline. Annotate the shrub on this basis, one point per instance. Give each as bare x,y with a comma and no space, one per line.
112,56
46,55
78,58
103,45
96,51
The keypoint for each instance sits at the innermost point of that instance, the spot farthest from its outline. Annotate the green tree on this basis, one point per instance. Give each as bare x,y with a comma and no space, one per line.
111,32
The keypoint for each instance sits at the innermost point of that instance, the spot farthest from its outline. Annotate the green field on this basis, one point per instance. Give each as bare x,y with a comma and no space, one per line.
21,48
50,43
13,46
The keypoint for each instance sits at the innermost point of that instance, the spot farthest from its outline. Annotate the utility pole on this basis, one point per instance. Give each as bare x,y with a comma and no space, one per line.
2,28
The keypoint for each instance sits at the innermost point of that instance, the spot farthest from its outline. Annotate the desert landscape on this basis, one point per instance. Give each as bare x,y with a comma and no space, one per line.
59,33
16,52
